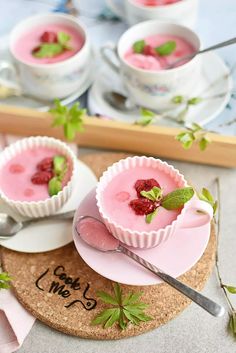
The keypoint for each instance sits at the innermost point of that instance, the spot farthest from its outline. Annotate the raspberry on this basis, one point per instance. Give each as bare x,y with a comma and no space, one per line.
142,206
46,164
41,177
16,168
145,185
149,50
48,37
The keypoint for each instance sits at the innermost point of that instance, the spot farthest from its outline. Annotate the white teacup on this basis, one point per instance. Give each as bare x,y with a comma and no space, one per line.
183,12
54,80
154,89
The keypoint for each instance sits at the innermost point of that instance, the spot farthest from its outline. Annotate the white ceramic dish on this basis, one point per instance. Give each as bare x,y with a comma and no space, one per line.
46,236
212,81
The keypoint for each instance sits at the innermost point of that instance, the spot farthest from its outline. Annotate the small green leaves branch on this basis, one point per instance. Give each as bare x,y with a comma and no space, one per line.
125,309
193,134
172,201
4,280
60,168
49,50
226,288
71,119
164,49
186,103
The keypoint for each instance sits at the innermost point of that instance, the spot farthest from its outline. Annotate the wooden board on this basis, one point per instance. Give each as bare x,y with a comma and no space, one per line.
70,309
151,140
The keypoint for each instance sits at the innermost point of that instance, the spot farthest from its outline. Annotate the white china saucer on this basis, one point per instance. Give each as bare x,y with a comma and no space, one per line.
50,235
213,80
176,256
28,102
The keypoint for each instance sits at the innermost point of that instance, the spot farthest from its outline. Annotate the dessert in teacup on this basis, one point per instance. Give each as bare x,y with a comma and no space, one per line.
142,200
183,12
37,175
144,52
52,55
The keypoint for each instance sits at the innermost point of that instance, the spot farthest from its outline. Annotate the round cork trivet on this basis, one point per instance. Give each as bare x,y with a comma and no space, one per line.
58,288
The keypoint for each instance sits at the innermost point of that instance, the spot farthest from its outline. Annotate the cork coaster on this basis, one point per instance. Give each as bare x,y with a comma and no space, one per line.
59,289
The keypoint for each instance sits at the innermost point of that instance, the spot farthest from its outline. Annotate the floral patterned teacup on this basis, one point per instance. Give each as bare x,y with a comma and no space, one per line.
54,80
150,88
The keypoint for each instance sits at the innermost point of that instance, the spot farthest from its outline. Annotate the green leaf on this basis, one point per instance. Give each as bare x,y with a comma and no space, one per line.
63,38
69,131
150,217
48,50
203,143
59,120
146,112
122,322
187,145
59,164
103,316
54,186
177,99
155,194
144,121
132,298
4,280
166,48
230,289
215,207
113,318
177,198
194,100
138,46
232,323
118,292
107,298
196,127
206,193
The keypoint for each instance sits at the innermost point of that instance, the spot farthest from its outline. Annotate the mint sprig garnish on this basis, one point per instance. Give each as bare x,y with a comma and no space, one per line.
139,46
155,194
125,310
149,217
4,280
59,170
71,119
166,48
49,50
177,198
193,134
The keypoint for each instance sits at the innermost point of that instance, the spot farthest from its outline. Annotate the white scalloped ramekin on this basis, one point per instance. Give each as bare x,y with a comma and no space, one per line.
155,237
51,205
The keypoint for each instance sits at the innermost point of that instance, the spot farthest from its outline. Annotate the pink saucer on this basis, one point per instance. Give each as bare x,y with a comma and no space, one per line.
176,256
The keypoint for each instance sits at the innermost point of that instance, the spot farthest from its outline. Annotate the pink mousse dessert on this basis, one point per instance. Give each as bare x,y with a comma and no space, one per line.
48,45
157,51
155,2
123,203
35,174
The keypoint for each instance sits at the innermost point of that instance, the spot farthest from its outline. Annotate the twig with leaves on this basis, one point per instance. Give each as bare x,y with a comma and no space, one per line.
125,310
196,133
186,103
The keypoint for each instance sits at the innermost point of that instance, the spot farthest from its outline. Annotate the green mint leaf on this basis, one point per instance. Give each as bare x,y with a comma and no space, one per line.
138,46
194,101
107,298
118,292
230,289
166,48
59,164
177,99
154,194
48,50
102,317
206,193
63,38
149,217
203,143
54,186
113,318
177,198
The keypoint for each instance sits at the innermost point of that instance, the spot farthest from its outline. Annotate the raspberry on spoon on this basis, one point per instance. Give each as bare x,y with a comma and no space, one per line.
145,185
48,37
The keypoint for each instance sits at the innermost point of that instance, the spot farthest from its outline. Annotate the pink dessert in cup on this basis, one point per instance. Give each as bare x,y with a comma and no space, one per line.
157,51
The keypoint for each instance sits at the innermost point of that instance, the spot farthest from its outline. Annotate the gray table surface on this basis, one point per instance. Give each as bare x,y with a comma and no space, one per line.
194,330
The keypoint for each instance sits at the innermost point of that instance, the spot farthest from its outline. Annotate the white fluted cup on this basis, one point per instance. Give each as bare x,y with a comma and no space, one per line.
51,205
149,239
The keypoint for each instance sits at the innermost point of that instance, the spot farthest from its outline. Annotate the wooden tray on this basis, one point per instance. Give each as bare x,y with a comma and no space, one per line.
150,140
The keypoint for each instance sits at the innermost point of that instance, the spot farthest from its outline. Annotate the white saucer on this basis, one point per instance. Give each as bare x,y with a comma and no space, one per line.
213,70
50,235
30,102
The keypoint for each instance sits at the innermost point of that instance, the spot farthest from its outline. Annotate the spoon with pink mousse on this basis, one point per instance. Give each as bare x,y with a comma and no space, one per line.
94,232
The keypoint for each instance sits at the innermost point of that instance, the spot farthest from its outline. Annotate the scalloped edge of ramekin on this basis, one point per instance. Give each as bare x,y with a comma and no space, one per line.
128,236
51,205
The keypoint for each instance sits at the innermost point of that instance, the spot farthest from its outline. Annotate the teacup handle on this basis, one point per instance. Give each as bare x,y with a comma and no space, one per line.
205,214
110,47
9,68
115,8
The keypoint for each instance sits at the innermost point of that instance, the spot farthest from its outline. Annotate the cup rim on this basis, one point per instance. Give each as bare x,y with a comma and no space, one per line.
127,230
161,7
19,143
53,15
159,72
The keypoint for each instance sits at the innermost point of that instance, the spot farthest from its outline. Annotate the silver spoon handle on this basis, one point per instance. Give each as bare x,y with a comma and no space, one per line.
206,303
66,215
213,47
